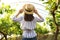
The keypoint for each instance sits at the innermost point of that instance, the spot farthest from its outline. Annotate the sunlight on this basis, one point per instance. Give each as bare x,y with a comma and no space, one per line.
19,3
15,25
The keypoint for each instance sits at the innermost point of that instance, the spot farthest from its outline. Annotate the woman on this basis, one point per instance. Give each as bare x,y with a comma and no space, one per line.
28,21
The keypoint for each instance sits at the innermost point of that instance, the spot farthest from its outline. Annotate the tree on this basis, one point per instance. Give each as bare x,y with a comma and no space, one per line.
7,26
54,19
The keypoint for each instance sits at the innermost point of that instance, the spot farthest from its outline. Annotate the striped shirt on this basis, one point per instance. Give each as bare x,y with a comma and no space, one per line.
28,25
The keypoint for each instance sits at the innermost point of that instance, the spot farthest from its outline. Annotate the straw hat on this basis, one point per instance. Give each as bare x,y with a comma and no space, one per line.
28,8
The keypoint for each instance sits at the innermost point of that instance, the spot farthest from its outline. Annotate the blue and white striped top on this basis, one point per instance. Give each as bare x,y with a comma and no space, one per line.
28,25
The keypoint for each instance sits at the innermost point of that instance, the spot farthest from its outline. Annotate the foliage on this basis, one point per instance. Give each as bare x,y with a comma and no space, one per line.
41,29
50,5
8,26
54,21
6,8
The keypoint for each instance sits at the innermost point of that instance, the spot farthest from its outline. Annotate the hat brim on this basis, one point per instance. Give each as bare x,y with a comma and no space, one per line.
28,12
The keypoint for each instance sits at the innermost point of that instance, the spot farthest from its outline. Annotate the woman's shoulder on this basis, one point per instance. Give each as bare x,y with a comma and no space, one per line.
35,17
21,16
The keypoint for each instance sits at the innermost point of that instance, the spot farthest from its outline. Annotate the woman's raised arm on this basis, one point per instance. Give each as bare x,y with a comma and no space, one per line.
20,11
40,17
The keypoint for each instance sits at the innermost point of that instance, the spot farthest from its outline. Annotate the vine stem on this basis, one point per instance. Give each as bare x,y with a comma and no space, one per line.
5,35
53,14
57,28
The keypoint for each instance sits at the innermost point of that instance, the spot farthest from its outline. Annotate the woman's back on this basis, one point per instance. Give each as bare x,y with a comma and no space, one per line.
28,21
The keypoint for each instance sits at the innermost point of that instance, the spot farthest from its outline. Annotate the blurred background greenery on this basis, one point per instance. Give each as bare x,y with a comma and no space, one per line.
12,31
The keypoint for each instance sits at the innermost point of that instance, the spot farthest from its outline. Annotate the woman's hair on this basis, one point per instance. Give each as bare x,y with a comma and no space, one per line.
28,17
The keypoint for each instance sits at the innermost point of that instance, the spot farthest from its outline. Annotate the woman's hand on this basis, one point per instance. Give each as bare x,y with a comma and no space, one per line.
20,11
35,11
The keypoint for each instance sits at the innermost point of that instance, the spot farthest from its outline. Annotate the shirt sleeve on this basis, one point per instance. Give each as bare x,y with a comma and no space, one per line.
39,19
14,18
